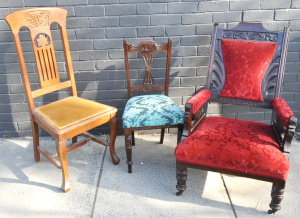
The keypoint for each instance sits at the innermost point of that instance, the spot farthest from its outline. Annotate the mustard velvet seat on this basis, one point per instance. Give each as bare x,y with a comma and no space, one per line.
71,111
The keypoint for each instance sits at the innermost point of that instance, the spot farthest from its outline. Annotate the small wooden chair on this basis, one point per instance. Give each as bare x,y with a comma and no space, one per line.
246,67
155,111
66,118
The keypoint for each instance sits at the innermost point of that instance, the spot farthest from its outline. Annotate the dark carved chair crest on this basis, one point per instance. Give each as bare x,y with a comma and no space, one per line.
149,111
246,67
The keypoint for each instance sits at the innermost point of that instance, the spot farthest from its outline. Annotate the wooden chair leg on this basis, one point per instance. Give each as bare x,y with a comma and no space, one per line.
277,196
132,138
128,147
61,145
181,176
162,134
114,127
179,134
74,139
36,141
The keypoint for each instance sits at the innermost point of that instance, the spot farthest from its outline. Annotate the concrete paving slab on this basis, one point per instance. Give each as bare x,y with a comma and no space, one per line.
30,189
150,190
252,197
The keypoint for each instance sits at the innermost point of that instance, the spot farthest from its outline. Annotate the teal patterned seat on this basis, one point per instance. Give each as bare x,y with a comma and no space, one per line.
151,110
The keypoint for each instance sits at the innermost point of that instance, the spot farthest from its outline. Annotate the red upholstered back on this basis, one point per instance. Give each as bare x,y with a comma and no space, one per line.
245,63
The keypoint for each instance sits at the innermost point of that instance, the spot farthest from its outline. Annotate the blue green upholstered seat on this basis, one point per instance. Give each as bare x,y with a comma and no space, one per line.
151,110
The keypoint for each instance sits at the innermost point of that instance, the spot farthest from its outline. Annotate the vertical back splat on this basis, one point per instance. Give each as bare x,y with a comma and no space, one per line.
38,22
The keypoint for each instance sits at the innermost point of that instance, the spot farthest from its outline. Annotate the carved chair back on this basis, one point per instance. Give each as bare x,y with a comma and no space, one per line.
246,65
147,49
38,21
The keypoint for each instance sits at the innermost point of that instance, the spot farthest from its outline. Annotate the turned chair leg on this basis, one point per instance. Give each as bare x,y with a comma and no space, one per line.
61,145
132,138
277,196
181,176
162,134
128,147
36,141
114,127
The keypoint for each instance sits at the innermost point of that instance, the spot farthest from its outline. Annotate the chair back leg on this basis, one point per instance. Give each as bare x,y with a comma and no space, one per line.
162,134
36,141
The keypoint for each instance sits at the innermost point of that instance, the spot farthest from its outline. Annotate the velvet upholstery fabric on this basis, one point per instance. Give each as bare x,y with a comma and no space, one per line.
199,99
235,145
151,110
245,63
282,109
71,110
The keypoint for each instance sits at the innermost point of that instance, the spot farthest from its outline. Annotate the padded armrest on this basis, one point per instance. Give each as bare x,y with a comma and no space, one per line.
282,109
199,99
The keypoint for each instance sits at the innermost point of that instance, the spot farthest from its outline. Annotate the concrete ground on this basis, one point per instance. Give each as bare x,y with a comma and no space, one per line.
101,189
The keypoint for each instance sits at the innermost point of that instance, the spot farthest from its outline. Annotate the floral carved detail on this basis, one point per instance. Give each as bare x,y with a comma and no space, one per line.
250,36
42,40
37,19
146,46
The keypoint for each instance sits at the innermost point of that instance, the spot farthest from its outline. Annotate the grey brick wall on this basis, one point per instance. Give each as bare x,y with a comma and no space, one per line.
96,29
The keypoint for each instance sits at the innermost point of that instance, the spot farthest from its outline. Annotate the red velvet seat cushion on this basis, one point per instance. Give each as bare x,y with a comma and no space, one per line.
245,63
235,145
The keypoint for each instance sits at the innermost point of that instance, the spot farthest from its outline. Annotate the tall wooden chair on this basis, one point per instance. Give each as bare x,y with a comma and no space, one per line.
66,118
246,67
151,111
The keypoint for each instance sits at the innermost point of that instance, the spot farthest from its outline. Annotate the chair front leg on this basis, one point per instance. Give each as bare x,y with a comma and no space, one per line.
277,196
128,147
36,141
114,127
61,145
181,176
162,134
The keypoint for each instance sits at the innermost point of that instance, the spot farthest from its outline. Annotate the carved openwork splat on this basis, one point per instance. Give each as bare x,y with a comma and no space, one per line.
147,49
46,61
37,19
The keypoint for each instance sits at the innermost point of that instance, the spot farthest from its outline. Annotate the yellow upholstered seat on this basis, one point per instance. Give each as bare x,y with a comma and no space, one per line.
72,110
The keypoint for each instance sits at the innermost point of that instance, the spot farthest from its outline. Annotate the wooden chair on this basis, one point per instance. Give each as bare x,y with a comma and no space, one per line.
153,111
66,118
246,67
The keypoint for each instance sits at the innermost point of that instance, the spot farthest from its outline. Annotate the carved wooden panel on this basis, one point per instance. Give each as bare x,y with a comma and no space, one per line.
37,19
147,50
45,60
257,36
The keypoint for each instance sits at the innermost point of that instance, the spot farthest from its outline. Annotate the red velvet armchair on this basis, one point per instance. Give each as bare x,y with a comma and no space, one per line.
246,67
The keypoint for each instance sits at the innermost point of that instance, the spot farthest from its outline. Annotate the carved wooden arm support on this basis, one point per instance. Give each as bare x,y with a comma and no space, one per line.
194,111
287,120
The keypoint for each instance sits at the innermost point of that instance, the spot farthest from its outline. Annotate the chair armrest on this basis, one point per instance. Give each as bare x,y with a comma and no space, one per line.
283,110
198,100
193,115
288,121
